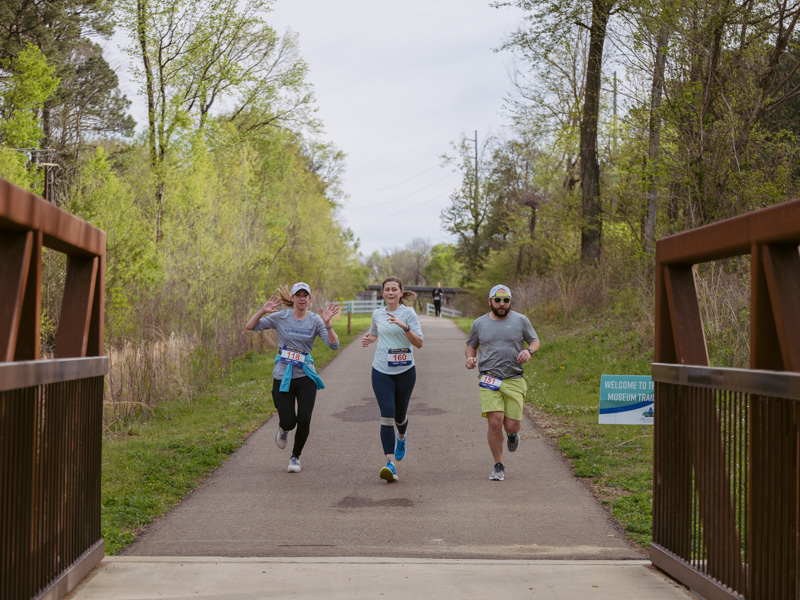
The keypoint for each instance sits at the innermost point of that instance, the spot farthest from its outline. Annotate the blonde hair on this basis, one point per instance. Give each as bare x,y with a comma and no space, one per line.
407,294
286,295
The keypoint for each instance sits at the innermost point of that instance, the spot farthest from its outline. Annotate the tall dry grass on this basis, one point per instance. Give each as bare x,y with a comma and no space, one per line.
142,373
625,291
723,289
146,372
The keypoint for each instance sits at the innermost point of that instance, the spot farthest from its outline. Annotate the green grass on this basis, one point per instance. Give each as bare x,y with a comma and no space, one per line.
150,466
563,391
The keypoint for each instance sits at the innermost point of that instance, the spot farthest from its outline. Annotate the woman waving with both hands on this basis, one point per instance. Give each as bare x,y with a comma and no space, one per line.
295,381
397,330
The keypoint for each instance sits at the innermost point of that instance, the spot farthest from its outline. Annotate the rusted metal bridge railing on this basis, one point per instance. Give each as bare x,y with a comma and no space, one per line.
50,410
726,490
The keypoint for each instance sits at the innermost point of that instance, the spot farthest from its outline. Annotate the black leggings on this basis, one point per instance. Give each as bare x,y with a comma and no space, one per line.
304,391
393,393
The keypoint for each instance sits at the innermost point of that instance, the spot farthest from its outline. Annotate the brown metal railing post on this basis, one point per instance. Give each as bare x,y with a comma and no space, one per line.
50,410
739,533
16,250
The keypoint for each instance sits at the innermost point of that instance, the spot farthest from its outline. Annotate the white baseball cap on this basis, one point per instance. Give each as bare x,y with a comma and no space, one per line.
300,286
499,290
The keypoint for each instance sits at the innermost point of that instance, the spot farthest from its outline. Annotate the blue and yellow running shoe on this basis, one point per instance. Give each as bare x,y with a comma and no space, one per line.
388,472
400,448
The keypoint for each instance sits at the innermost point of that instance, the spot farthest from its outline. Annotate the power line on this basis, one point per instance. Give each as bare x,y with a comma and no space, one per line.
396,184
407,195
400,212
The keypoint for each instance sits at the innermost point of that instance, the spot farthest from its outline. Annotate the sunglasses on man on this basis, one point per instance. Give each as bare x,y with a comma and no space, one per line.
501,300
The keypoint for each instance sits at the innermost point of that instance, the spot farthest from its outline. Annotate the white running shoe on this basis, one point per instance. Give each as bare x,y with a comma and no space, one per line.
294,465
281,438
498,473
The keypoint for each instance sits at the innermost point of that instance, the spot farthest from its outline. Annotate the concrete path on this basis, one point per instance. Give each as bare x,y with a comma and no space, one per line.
339,526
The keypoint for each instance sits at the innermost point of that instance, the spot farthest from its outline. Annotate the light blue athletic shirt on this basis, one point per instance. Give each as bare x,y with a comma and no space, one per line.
295,334
392,337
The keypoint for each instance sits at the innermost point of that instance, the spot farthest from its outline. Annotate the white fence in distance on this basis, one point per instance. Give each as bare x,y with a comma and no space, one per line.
367,306
361,306
430,310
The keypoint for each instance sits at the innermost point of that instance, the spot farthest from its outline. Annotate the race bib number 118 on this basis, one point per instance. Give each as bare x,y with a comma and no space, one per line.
292,356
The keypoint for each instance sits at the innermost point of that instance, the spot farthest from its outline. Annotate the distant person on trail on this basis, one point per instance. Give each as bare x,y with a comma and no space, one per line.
396,328
295,381
507,341
438,294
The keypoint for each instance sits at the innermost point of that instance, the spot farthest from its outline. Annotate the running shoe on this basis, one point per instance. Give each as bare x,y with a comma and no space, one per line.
498,473
281,438
294,465
400,449
512,442
388,472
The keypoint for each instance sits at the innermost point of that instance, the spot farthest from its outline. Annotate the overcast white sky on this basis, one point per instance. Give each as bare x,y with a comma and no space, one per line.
396,83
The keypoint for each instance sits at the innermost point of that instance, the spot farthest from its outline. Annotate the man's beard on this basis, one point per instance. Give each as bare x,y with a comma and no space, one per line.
505,307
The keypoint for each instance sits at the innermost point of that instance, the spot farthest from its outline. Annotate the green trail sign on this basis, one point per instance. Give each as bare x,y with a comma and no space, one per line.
626,400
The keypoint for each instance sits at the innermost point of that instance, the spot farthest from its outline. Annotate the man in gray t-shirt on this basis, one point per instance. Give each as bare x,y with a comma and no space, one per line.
507,341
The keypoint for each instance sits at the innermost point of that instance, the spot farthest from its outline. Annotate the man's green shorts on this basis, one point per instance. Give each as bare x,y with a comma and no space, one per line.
508,399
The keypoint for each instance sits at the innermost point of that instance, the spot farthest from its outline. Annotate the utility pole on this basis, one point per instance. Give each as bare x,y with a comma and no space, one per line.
476,163
615,113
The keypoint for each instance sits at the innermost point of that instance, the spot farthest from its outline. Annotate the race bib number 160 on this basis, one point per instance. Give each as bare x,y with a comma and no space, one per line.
400,357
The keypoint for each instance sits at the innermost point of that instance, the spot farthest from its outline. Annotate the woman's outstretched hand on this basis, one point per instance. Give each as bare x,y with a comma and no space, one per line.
272,304
329,313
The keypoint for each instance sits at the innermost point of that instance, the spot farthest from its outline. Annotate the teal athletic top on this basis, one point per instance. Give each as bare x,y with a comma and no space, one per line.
394,353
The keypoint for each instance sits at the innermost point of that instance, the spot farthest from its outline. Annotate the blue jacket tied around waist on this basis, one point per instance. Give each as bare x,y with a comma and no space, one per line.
308,367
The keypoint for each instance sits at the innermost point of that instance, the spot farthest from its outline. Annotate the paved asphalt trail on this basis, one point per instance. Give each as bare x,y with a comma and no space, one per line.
444,505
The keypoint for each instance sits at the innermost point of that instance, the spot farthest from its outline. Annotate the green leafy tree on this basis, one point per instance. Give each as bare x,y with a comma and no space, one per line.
88,98
444,267
88,103
470,208
99,196
194,55
546,23
26,86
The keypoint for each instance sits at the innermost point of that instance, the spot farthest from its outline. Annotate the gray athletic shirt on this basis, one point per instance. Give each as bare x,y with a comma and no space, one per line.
501,342
296,334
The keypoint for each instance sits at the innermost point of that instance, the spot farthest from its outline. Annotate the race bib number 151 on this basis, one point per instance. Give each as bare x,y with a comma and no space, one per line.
490,382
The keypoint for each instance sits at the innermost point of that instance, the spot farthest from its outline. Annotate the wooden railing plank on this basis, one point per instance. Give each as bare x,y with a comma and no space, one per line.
15,258
62,231
76,308
28,341
782,271
685,317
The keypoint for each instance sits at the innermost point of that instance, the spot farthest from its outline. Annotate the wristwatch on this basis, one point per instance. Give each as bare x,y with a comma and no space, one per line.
407,328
